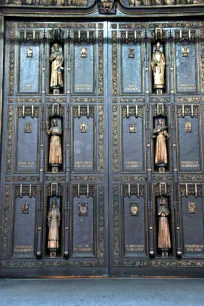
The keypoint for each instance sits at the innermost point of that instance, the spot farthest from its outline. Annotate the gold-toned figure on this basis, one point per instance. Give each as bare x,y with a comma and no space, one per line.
158,67
53,225
158,2
57,59
164,240
160,133
55,153
169,2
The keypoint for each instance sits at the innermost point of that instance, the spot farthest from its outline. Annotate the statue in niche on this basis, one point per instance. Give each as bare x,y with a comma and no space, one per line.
139,2
147,2
77,2
59,2
135,2
158,67
56,59
169,2
164,240
53,225
55,153
158,2
160,133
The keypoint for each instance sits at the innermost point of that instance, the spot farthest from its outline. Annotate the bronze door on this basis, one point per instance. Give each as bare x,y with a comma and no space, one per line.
155,148
54,168
98,174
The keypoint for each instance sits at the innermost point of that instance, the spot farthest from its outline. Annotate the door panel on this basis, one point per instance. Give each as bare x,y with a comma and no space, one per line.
138,187
85,150
68,166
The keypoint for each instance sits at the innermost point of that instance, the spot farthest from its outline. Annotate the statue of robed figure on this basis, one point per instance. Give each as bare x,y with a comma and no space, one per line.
53,225
55,152
56,59
158,67
164,240
160,133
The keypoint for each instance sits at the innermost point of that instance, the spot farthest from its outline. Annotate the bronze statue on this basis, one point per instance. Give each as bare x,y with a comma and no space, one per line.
158,67
164,240
55,153
57,59
135,2
106,5
59,2
160,133
158,2
53,224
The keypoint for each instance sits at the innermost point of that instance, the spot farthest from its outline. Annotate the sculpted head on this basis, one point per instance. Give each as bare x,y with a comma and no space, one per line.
159,122
56,47
158,45
54,204
55,122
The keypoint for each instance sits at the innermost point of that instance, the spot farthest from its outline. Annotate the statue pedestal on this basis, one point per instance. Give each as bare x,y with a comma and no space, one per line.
159,91
56,91
52,254
165,253
54,169
161,169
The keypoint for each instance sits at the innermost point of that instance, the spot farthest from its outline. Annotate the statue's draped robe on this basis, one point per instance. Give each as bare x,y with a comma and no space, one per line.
161,149
56,70
158,68
55,154
164,240
54,222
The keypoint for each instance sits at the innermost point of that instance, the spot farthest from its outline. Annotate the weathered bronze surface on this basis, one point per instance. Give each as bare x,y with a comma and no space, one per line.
53,225
102,138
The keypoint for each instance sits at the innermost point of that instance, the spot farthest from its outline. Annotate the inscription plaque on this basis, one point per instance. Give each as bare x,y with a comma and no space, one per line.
83,144
186,61
24,227
132,144
134,227
192,210
83,226
27,145
131,69
84,61
29,69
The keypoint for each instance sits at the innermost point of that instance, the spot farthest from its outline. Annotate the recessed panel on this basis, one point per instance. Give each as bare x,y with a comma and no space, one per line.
193,232
27,145
83,226
131,69
189,144
186,69
83,81
134,226
83,139
24,227
132,144
29,68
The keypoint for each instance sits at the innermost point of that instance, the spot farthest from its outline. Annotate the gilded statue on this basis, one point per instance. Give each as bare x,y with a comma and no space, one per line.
158,2
160,133
164,240
53,225
56,59
55,152
169,2
158,67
